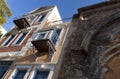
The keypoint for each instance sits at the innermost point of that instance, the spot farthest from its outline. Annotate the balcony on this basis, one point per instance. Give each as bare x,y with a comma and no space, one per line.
45,41
21,23
43,45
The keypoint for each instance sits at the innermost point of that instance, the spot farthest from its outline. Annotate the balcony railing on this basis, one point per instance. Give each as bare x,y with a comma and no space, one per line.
45,41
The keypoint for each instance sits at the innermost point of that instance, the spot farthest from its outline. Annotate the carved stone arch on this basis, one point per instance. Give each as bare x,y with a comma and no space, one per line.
107,36
92,32
114,44
106,23
76,64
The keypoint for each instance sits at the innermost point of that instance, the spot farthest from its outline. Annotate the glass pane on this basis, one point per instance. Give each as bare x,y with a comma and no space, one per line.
54,37
21,38
40,36
4,66
58,31
40,20
43,34
11,37
41,75
20,74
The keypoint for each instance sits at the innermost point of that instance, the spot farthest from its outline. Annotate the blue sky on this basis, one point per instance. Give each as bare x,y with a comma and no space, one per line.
66,7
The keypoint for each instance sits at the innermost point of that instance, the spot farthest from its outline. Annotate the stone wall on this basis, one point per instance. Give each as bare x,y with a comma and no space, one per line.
91,43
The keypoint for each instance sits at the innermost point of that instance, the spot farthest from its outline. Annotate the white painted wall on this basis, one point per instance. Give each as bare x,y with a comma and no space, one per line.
54,13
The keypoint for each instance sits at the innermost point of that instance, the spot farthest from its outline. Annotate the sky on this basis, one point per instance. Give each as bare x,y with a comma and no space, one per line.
67,8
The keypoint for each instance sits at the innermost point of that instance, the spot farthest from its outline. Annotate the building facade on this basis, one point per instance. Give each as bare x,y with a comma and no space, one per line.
31,49
41,46
93,52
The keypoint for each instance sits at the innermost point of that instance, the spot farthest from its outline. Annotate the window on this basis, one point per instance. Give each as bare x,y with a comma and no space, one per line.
20,38
20,73
43,34
40,36
41,18
58,31
30,18
55,35
4,66
41,74
8,40
43,71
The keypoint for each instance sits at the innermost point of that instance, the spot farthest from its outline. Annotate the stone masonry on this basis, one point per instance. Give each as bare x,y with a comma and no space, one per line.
92,47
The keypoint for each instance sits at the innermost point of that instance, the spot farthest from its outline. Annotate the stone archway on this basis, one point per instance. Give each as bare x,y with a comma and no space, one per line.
108,38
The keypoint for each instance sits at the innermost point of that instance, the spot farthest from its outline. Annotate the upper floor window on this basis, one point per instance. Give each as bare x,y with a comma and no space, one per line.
58,31
9,39
41,18
40,36
20,38
55,35
30,18
4,66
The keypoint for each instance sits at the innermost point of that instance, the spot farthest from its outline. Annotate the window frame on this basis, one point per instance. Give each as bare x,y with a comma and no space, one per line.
52,31
39,67
39,17
9,63
18,39
18,71
31,20
28,32
46,33
3,44
59,36
22,67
